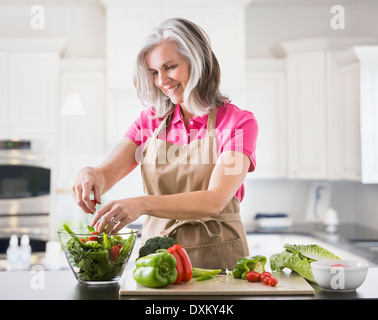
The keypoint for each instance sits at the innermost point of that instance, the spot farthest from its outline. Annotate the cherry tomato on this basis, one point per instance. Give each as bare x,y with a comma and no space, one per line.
94,203
83,240
272,281
97,230
114,252
265,280
338,265
253,276
266,274
93,238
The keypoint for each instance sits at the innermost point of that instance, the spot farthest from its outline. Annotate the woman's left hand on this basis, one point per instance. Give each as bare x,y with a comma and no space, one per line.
117,214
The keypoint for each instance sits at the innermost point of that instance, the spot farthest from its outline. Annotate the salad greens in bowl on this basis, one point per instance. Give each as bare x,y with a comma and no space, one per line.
97,258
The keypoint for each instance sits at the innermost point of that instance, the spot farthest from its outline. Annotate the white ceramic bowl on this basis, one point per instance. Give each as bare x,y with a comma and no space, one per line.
337,278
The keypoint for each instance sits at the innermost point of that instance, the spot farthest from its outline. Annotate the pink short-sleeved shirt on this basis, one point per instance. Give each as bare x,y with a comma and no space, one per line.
235,130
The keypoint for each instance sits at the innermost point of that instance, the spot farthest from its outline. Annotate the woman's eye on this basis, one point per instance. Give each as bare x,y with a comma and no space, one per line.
171,67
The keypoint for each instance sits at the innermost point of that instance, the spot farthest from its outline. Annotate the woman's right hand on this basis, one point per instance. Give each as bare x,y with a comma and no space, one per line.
89,180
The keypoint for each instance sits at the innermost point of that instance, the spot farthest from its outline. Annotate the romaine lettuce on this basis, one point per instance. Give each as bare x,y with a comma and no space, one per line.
299,257
293,261
312,251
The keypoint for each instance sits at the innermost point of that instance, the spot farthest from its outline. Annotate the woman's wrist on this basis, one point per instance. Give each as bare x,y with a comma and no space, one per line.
101,179
189,205
145,204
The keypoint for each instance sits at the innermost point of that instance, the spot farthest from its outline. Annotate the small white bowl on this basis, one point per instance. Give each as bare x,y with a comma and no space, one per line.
337,278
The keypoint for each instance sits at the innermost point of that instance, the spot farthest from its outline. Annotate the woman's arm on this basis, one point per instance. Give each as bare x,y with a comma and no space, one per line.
227,176
120,162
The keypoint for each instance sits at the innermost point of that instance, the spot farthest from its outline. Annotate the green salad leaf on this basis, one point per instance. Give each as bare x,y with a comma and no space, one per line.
299,257
312,251
293,261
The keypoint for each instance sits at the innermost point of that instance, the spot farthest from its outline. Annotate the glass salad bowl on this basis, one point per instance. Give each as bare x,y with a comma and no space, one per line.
97,258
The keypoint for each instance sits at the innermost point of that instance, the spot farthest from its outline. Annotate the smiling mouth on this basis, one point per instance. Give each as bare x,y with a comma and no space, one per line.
172,90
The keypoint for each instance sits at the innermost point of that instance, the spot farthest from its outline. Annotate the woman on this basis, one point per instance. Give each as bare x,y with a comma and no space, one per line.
194,147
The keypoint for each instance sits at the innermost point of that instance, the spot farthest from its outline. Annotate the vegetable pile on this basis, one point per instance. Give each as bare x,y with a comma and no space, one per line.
97,257
299,257
172,265
162,262
252,269
246,264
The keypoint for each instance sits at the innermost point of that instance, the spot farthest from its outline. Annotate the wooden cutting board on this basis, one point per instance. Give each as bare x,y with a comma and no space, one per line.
289,283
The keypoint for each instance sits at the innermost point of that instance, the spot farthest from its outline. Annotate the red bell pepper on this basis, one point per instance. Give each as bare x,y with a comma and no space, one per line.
184,266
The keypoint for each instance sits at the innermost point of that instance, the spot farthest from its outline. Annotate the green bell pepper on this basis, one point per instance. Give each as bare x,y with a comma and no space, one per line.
246,264
156,270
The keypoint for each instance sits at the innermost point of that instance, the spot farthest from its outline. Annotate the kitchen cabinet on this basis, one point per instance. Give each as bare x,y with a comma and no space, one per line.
359,103
350,144
266,98
29,86
315,108
307,127
313,119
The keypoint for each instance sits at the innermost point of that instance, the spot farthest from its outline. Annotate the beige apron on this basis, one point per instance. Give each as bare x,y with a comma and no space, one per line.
169,168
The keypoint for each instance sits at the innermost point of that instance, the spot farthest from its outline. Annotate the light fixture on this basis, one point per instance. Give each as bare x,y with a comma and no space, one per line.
72,105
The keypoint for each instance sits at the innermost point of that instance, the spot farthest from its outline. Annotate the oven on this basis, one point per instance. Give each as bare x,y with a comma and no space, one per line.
25,187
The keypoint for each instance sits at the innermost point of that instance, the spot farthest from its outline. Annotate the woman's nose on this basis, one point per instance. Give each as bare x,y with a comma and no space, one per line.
162,79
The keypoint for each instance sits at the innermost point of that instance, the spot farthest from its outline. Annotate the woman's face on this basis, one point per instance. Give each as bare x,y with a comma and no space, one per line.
169,69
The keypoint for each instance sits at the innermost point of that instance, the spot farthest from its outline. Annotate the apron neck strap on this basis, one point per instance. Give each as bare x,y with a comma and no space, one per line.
211,119
161,126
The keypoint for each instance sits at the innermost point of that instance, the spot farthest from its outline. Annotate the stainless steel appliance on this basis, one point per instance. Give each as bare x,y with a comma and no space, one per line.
25,188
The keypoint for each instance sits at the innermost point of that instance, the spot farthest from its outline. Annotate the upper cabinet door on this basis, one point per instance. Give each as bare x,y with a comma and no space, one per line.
32,91
358,113
368,57
29,86
307,125
266,98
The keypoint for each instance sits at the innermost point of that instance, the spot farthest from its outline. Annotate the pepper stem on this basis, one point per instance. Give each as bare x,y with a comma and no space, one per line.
164,269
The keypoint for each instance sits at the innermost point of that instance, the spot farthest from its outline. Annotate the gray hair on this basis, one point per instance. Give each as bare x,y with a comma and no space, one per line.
202,90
